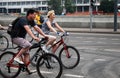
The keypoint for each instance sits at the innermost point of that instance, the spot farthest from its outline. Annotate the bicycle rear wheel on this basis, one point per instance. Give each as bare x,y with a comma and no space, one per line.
4,43
49,69
69,57
7,69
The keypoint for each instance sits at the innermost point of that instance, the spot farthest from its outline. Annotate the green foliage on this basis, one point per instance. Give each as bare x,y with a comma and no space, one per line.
55,5
107,6
69,7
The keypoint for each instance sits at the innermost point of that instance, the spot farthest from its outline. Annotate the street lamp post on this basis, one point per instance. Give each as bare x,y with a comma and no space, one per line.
115,14
91,16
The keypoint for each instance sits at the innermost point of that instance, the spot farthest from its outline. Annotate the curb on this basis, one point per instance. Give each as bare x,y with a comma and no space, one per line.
87,30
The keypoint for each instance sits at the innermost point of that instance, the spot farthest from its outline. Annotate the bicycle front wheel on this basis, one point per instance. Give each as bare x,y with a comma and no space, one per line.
8,68
4,43
69,57
35,58
49,69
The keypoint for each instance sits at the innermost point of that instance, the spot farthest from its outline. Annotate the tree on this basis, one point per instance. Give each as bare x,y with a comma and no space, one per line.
55,5
69,7
107,6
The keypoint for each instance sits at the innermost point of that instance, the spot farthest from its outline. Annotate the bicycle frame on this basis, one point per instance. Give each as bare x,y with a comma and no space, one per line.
10,64
59,43
12,60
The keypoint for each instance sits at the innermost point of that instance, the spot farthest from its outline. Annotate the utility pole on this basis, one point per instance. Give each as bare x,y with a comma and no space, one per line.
91,13
115,14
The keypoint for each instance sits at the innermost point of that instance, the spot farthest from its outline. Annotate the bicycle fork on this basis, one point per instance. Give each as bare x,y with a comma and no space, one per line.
47,62
66,51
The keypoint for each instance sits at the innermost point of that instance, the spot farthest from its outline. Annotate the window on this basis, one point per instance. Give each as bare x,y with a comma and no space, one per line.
27,3
38,2
43,8
0,3
18,3
22,3
86,1
73,1
4,3
14,3
44,2
32,2
9,3
79,1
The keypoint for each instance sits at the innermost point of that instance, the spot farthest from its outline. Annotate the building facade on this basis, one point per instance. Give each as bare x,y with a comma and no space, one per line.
20,6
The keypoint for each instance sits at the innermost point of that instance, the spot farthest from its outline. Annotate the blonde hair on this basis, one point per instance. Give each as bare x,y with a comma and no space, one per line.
50,12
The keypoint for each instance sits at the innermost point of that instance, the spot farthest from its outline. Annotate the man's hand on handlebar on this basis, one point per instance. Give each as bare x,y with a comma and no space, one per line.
37,39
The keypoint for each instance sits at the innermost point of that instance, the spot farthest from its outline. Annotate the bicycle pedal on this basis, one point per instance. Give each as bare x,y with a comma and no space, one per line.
23,70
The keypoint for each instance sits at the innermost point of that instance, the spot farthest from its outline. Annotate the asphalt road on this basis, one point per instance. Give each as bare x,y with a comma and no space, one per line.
99,54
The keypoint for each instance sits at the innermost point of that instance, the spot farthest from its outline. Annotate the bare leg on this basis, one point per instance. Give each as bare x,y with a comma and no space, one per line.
51,40
26,58
54,48
23,50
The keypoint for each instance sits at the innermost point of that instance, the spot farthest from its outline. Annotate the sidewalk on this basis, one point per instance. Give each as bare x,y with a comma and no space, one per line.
85,30
94,30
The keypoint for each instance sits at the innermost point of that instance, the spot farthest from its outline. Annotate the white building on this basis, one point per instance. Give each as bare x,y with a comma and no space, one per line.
20,6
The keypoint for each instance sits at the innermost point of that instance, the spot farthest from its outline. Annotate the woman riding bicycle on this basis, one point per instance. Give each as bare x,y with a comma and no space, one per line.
47,26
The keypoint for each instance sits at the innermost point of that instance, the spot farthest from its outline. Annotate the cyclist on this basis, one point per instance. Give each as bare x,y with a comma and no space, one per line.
47,26
37,19
21,28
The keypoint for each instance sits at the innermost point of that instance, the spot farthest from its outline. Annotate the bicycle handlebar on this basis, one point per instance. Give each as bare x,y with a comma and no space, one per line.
42,41
64,34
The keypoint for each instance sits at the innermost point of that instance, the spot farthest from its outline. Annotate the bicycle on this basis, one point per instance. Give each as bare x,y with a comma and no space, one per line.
72,56
68,55
11,69
4,43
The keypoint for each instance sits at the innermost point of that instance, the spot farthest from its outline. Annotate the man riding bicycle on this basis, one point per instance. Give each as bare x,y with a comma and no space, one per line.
21,28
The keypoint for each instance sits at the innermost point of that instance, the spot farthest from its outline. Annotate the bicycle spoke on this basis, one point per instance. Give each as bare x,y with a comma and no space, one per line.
49,69
70,59
4,43
7,69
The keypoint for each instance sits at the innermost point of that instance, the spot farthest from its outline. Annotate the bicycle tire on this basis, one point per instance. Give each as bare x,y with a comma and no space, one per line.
5,71
4,43
72,61
51,66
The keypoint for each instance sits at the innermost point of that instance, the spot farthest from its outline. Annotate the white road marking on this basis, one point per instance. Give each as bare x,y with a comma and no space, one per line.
71,75
99,60
46,72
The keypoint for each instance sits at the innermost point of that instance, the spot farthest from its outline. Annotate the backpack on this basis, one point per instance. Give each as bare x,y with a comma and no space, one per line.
12,25
41,19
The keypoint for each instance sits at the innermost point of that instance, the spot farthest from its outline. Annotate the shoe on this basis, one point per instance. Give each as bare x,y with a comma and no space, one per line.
54,60
45,49
18,60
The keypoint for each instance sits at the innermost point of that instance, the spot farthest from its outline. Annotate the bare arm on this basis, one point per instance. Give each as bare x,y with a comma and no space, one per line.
27,28
51,28
39,31
58,27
